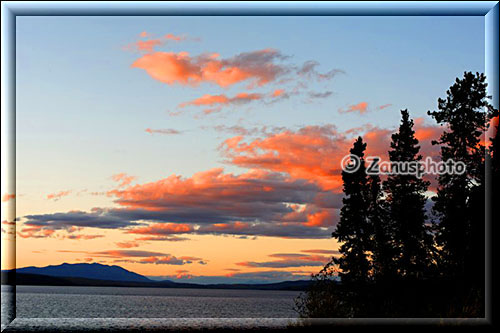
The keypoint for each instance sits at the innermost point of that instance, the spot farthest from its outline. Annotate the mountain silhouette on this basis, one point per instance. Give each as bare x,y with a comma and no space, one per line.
88,271
116,276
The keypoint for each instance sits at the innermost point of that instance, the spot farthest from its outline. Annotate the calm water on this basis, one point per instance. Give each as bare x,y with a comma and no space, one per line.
118,302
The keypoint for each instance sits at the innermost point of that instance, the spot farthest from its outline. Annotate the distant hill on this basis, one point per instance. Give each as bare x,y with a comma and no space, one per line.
87,271
116,276
45,280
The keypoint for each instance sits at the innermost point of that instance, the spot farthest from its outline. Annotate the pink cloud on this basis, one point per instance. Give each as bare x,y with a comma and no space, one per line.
220,101
381,107
174,37
147,45
123,179
259,67
361,107
165,131
58,195
161,229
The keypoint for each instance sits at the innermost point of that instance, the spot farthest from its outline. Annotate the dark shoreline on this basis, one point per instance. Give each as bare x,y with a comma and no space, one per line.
13,278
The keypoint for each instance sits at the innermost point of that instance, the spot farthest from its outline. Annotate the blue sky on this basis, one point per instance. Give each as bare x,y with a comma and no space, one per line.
75,85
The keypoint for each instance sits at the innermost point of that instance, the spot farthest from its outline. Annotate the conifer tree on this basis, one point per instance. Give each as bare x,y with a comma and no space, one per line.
459,204
353,227
405,197
382,238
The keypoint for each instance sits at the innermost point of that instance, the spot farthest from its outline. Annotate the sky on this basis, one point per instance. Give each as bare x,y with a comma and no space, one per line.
207,149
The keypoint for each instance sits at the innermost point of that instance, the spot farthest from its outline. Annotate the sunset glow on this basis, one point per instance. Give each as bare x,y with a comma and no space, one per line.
208,149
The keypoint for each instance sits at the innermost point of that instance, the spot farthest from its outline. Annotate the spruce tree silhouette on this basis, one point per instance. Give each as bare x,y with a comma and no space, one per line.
382,238
405,197
353,228
383,232
459,204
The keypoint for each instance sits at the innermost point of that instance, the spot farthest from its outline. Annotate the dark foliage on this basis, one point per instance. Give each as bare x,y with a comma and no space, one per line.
405,199
353,228
459,204
392,263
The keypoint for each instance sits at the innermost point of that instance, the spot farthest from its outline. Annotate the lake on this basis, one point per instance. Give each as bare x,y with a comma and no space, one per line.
83,309
120,302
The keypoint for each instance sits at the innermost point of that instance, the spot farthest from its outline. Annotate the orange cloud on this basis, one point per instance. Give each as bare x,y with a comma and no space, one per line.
123,179
150,44
163,238
301,154
181,68
381,107
289,260
174,37
361,107
278,92
323,218
221,101
211,202
161,229
35,232
58,195
127,245
147,45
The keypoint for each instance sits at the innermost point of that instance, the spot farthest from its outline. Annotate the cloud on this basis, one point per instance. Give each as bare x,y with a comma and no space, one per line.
361,107
166,260
258,67
308,70
58,195
236,277
213,196
381,107
85,237
149,45
317,95
123,179
35,232
287,260
255,203
282,230
301,153
99,218
267,276
119,253
278,92
290,189
163,238
236,129
127,245
321,251
146,257
174,37
162,229
165,131
220,101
